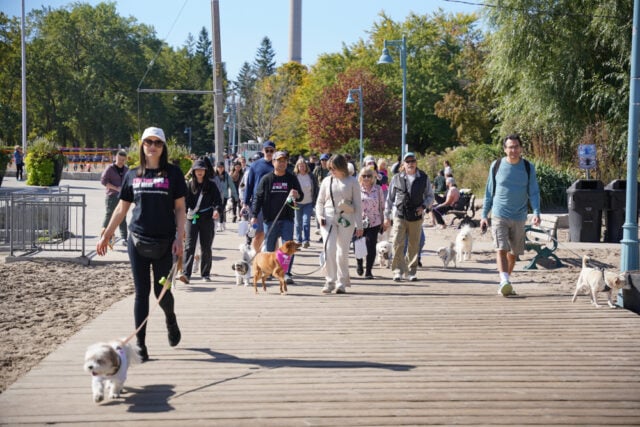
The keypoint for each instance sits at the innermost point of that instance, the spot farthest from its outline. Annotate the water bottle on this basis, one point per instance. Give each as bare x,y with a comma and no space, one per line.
252,231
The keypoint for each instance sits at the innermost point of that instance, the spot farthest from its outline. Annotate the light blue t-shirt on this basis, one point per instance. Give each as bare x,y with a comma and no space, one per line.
513,191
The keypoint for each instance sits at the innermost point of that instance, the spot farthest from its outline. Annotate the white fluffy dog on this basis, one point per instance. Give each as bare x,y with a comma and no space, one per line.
596,281
243,267
384,250
447,254
108,364
464,244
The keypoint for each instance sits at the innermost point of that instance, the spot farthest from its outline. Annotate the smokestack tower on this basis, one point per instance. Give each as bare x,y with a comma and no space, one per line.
295,32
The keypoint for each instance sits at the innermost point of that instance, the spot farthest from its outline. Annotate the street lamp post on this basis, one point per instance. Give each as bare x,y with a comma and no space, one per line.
187,130
231,124
351,101
385,58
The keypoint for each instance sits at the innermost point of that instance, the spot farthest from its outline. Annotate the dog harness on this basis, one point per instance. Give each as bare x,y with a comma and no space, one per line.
283,259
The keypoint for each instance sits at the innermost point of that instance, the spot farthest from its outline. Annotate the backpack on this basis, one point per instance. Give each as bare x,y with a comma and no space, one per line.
527,167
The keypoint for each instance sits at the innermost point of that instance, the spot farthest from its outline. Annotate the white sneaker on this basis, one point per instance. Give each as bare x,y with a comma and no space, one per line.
413,278
328,288
506,289
397,277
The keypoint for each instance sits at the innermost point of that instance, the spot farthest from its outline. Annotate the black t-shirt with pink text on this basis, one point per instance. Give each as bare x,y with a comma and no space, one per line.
153,196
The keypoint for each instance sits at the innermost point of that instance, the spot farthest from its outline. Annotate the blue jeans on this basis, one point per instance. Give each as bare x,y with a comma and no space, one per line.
303,222
282,228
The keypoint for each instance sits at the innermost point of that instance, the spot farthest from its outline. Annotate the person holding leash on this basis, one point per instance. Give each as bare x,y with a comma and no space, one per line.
157,189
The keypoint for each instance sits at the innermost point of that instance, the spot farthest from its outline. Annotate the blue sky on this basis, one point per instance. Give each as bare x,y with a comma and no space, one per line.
326,24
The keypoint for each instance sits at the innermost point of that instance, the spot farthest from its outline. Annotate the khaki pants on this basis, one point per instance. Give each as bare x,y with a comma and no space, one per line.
406,231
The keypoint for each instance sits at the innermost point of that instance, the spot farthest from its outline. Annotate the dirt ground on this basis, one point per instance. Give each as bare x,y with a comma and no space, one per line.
43,303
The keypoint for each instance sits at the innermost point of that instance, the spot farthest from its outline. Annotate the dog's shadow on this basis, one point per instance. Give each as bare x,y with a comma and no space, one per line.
217,357
148,399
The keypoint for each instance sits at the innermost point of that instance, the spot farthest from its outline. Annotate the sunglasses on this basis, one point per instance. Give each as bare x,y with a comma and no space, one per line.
269,150
156,142
367,176
410,161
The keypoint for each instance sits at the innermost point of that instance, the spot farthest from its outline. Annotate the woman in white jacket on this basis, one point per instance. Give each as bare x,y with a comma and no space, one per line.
339,211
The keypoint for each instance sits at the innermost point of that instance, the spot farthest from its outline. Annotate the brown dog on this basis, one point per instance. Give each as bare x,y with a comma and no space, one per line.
274,263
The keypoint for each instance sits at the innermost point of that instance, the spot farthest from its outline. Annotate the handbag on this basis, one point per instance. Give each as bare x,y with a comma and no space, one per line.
360,246
150,247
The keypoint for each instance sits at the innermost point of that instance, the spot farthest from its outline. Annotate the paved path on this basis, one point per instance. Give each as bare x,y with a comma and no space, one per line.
444,350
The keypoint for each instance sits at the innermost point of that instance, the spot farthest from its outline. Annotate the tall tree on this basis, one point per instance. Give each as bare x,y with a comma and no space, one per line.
264,64
559,70
332,123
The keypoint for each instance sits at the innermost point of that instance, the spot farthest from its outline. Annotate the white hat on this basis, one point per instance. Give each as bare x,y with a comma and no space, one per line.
153,131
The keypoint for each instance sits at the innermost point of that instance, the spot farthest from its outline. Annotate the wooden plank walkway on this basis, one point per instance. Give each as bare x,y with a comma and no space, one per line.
444,350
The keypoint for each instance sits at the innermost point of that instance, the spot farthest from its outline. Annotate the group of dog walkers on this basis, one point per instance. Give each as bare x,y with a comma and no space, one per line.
346,206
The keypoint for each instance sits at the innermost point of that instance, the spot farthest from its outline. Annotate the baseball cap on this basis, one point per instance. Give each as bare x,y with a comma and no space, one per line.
280,154
369,159
325,156
268,144
409,154
153,131
199,164
220,163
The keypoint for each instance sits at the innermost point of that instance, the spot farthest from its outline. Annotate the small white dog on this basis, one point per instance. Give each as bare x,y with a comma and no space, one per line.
447,254
464,244
108,364
243,267
596,281
384,250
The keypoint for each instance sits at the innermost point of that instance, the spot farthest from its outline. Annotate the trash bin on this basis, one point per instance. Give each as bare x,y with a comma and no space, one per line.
616,210
631,295
586,200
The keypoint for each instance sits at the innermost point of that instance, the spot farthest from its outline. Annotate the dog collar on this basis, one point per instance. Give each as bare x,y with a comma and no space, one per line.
283,259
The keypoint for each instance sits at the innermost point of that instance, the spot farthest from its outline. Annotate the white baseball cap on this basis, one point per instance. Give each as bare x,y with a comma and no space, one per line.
153,131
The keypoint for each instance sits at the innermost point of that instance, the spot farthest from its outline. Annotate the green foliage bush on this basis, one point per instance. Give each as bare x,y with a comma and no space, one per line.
41,160
553,184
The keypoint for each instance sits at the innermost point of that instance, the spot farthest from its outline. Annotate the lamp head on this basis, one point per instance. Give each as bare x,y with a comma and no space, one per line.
349,99
385,58
226,110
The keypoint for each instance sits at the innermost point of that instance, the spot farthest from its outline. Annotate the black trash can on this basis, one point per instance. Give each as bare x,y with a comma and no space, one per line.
616,210
586,200
631,296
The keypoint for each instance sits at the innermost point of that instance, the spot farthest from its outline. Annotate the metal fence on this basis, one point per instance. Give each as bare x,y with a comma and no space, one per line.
42,219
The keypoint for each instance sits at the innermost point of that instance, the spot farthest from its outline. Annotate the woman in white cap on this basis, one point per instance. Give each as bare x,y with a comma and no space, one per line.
156,231
203,205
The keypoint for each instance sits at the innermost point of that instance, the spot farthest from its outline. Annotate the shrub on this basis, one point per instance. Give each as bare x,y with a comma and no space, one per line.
44,162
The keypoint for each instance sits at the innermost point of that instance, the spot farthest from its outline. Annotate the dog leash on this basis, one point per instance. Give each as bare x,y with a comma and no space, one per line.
166,283
286,202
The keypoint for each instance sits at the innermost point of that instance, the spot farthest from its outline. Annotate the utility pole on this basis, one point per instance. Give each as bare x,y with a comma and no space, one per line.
217,82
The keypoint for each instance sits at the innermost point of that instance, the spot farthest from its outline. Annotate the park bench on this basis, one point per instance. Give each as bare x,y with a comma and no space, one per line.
542,239
464,209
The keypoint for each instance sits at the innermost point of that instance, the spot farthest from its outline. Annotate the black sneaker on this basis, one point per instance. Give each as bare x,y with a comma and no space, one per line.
174,334
144,354
360,269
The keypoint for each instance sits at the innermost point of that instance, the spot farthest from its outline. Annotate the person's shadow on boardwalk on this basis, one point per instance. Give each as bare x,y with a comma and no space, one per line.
217,357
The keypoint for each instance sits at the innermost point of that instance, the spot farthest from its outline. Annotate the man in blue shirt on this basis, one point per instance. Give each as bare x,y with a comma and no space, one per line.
257,170
507,193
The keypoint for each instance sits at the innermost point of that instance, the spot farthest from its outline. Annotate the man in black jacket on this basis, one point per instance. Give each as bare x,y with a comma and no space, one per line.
410,195
276,193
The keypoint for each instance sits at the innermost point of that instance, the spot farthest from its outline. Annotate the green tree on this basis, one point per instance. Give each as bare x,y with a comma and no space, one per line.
559,71
264,65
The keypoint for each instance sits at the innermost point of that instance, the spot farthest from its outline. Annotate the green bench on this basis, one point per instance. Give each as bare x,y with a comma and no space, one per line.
543,239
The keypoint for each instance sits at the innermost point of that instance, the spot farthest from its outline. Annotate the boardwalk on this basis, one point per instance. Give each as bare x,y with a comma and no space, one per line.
444,350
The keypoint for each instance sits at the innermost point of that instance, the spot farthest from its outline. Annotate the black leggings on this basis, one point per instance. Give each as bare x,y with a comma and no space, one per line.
141,268
439,211
204,227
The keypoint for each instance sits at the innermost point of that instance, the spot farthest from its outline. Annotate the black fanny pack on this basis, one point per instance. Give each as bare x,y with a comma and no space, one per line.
150,247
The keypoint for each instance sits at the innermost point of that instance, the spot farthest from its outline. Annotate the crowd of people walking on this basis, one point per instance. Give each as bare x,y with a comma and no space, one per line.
285,198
